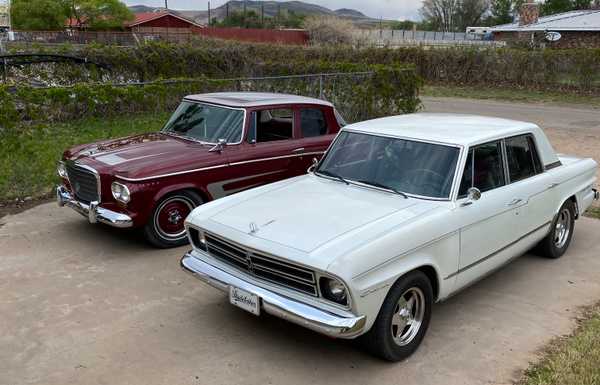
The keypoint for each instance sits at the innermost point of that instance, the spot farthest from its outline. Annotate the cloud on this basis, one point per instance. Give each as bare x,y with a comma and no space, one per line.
387,9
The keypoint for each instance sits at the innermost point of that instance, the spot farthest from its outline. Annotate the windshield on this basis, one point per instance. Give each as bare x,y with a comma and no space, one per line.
400,165
206,123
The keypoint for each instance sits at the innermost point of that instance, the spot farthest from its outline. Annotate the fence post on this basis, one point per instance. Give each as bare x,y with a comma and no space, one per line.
320,86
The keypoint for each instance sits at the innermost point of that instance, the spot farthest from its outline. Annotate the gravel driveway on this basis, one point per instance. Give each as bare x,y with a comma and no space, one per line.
85,304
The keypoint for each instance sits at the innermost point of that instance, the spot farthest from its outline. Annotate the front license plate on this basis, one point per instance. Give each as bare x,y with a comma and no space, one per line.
245,300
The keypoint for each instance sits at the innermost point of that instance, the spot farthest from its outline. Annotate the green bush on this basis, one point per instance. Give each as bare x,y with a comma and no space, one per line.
573,69
375,92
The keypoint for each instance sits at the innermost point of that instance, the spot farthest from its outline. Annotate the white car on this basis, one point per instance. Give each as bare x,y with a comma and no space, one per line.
400,213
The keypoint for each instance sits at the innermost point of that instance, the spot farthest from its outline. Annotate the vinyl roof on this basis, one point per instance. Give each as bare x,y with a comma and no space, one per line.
454,129
254,99
585,20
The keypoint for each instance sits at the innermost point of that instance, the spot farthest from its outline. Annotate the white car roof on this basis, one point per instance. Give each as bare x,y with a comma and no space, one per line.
457,129
254,99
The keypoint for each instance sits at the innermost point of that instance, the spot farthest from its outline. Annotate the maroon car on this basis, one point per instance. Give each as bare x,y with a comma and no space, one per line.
213,145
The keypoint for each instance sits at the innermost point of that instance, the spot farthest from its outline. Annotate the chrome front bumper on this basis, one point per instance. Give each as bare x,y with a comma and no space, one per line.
92,211
299,313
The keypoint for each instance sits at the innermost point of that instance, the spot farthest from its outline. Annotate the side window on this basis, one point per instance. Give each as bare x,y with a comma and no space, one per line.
483,169
275,124
523,160
312,122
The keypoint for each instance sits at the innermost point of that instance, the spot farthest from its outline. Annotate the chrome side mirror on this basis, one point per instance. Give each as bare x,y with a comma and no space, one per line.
221,143
473,194
314,164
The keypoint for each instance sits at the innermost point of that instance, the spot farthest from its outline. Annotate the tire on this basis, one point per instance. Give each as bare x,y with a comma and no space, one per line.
387,339
561,231
165,228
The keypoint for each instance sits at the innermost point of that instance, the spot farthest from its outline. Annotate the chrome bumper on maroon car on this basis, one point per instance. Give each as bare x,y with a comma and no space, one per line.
92,211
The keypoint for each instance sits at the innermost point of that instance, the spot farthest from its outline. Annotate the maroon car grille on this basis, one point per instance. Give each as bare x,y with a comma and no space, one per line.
83,183
262,266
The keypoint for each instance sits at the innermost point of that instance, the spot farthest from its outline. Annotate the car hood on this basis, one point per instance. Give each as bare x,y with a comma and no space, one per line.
312,213
145,155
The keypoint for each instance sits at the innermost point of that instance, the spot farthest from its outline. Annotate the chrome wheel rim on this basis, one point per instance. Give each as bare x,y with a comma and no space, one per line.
408,316
169,217
562,228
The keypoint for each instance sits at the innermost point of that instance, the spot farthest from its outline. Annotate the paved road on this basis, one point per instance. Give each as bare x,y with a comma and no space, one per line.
85,304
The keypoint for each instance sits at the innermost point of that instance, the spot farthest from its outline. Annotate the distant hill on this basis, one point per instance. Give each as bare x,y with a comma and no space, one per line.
271,9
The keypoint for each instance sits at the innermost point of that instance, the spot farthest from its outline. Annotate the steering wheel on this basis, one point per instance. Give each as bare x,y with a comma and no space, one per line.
433,184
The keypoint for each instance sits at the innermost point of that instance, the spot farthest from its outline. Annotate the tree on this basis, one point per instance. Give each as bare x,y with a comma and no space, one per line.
99,14
501,12
329,30
550,7
440,14
470,13
40,15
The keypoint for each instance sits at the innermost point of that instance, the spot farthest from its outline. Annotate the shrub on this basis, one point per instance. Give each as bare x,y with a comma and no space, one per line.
328,30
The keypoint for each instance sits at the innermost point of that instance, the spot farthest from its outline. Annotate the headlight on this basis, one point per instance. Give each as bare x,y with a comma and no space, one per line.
333,290
62,170
120,192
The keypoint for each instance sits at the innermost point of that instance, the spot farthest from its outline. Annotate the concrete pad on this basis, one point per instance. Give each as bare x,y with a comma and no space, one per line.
86,304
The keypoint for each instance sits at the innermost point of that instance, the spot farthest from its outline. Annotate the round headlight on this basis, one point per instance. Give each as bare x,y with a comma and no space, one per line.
120,192
62,170
333,290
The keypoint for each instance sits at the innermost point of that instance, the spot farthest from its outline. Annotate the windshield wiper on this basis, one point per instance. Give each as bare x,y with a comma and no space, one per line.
333,175
381,185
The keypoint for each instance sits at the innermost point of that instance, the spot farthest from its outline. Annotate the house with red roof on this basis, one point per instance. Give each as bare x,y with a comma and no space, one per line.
161,21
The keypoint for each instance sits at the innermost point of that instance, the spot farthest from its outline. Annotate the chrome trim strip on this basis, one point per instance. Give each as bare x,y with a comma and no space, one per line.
291,310
213,167
462,270
277,157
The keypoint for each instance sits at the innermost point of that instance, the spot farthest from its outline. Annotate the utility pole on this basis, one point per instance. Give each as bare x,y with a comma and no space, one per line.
262,14
166,4
245,24
209,21
227,11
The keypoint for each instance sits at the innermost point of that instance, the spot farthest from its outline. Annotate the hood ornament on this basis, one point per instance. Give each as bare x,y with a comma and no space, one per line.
253,228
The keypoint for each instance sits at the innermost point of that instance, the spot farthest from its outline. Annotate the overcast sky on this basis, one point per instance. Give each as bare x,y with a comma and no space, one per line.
388,9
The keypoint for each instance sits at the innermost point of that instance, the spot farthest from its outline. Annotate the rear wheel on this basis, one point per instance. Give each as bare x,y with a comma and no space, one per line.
165,228
559,238
403,319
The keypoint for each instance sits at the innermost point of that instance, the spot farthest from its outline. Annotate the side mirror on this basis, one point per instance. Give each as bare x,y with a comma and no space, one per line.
473,194
221,143
314,164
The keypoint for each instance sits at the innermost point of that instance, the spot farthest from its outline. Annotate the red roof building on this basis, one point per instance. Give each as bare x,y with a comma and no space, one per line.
159,21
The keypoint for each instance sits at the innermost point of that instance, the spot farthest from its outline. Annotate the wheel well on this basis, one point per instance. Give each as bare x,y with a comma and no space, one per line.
573,199
430,272
192,189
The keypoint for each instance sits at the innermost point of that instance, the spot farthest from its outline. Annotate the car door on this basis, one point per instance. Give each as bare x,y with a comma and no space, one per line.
267,152
490,223
316,129
530,183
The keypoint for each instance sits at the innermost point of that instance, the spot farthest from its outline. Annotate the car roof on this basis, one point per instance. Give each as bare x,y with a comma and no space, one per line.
455,129
254,99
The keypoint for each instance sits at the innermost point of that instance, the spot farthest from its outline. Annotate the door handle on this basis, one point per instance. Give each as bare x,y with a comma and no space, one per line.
298,150
515,201
552,185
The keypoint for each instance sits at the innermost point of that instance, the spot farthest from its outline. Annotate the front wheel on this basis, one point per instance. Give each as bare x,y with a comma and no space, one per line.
559,238
403,319
165,228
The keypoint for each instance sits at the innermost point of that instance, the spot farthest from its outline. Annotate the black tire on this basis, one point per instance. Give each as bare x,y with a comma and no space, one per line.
380,340
169,234
554,246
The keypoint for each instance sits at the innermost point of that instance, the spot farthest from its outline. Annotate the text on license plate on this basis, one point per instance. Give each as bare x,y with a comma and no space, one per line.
245,300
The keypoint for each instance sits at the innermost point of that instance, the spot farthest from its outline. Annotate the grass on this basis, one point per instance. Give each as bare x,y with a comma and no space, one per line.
511,94
29,154
573,360
593,212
